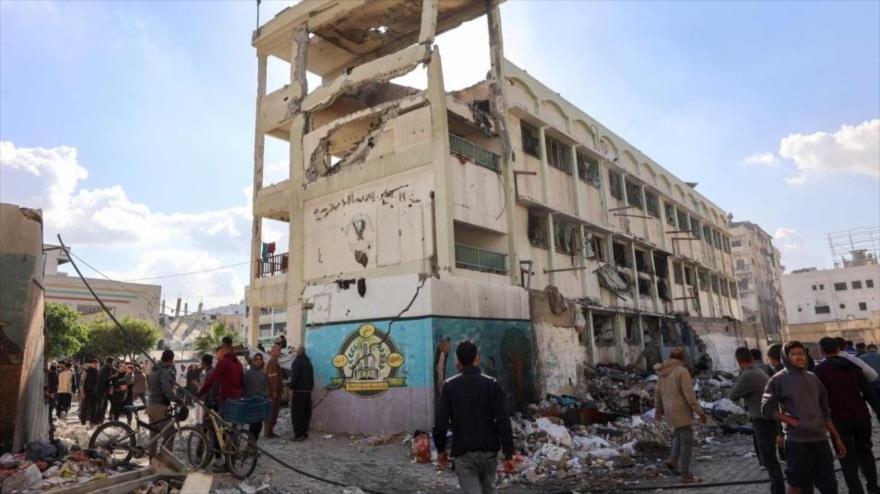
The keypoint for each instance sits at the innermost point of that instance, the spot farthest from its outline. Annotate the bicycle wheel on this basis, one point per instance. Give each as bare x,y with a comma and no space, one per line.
241,454
189,446
116,440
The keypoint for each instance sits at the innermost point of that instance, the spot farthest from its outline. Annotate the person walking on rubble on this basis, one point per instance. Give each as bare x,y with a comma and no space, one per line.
474,405
88,393
64,389
256,383
161,394
675,399
848,392
302,381
750,388
798,399
102,399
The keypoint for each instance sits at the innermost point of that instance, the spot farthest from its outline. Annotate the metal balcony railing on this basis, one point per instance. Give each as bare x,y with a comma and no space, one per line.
272,265
467,257
481,156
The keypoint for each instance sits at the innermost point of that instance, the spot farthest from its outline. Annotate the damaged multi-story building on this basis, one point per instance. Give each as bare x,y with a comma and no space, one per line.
759,270
499,213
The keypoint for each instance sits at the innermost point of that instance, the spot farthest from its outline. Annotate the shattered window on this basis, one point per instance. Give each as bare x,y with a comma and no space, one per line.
644,287
676,273
615,185
642,261
566,237
530,143
633,194
688,276
717,237
715,285
683,223
588,170
707,234
744,284
620,255
670,214
726,241
704,280
632,331
537,228
737,243
558,155
725,288
869,283
733,292
695,228
741,266
603,329
652,203
596,247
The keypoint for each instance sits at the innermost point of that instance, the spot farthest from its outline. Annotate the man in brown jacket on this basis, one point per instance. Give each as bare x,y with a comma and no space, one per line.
273,372
675,399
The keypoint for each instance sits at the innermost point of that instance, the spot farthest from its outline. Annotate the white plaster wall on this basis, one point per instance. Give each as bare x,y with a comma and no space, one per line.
798,293
558,356
387,220
478,195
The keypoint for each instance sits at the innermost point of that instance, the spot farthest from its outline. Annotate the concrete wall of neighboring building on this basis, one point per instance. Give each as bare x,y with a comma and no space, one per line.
136,300
826,295
24,415
759,278
866,330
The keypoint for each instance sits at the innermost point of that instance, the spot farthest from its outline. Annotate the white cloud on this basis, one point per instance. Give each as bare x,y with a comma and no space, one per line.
766,159
788,240
108,220
853,149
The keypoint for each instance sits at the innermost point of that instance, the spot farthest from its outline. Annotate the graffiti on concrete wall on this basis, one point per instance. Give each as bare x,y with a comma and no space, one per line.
368,363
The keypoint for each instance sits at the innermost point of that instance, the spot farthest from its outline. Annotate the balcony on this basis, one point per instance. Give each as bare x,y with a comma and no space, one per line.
272,265
464,149
485,261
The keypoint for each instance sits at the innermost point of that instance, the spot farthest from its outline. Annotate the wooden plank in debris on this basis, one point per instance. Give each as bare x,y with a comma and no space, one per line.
197,483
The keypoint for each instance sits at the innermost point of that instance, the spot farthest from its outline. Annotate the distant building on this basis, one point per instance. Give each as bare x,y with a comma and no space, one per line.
843,301
759,278
23,414
134,300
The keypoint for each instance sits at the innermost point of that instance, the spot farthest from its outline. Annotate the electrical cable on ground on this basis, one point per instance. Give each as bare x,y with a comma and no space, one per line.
191,395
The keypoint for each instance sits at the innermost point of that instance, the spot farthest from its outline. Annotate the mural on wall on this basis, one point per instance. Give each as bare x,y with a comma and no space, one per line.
368,363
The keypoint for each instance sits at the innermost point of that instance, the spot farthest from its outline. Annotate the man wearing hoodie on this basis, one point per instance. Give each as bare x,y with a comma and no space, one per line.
848,391
796,397
750,387
675,399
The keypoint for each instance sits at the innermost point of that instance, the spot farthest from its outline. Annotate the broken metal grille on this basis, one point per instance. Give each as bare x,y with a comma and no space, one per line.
480,156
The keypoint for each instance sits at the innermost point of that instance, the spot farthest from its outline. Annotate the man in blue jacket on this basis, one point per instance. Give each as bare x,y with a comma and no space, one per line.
474,404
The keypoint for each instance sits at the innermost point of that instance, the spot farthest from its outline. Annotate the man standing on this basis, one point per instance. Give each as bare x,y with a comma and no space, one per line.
774,357
88,393
675,399
229,373
796,397
474,403
103,391
65,390
52,389
302,381
256,383
848,390
273,373
162,394
750,387
758,362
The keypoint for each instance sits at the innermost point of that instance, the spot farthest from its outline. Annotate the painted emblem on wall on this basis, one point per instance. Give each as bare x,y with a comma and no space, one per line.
368,363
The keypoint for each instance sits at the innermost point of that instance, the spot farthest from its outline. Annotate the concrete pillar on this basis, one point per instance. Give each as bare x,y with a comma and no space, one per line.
591,338
551,248
257,222
580,210
296,264
444,212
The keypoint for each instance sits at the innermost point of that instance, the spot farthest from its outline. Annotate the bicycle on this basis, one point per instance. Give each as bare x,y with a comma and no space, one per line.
187,444
238,448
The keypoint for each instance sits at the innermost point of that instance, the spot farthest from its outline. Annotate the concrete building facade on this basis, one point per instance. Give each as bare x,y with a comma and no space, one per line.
136,300
498,213
844,301
23,413
759,279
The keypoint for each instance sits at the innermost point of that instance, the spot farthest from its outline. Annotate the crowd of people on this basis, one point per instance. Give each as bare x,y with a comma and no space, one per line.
805,412
105,389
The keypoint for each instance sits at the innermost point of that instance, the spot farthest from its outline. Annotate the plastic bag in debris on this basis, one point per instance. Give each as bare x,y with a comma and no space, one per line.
558,433
8,461
23,479
590,442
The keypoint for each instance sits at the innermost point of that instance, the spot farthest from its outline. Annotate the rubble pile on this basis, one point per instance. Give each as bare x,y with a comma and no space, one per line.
49,464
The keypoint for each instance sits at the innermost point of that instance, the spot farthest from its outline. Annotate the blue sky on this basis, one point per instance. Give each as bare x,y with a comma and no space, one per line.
133,121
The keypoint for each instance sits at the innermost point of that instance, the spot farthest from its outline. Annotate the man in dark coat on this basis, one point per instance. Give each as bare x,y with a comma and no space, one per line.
88,393
302,381
105,375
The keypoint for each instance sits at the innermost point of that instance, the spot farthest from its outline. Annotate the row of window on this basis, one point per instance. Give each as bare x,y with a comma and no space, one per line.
559,157
824,309
841,286
718,285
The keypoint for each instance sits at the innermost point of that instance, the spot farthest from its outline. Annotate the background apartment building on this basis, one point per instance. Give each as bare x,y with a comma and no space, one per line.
844,301
136,300
499,213
759,279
